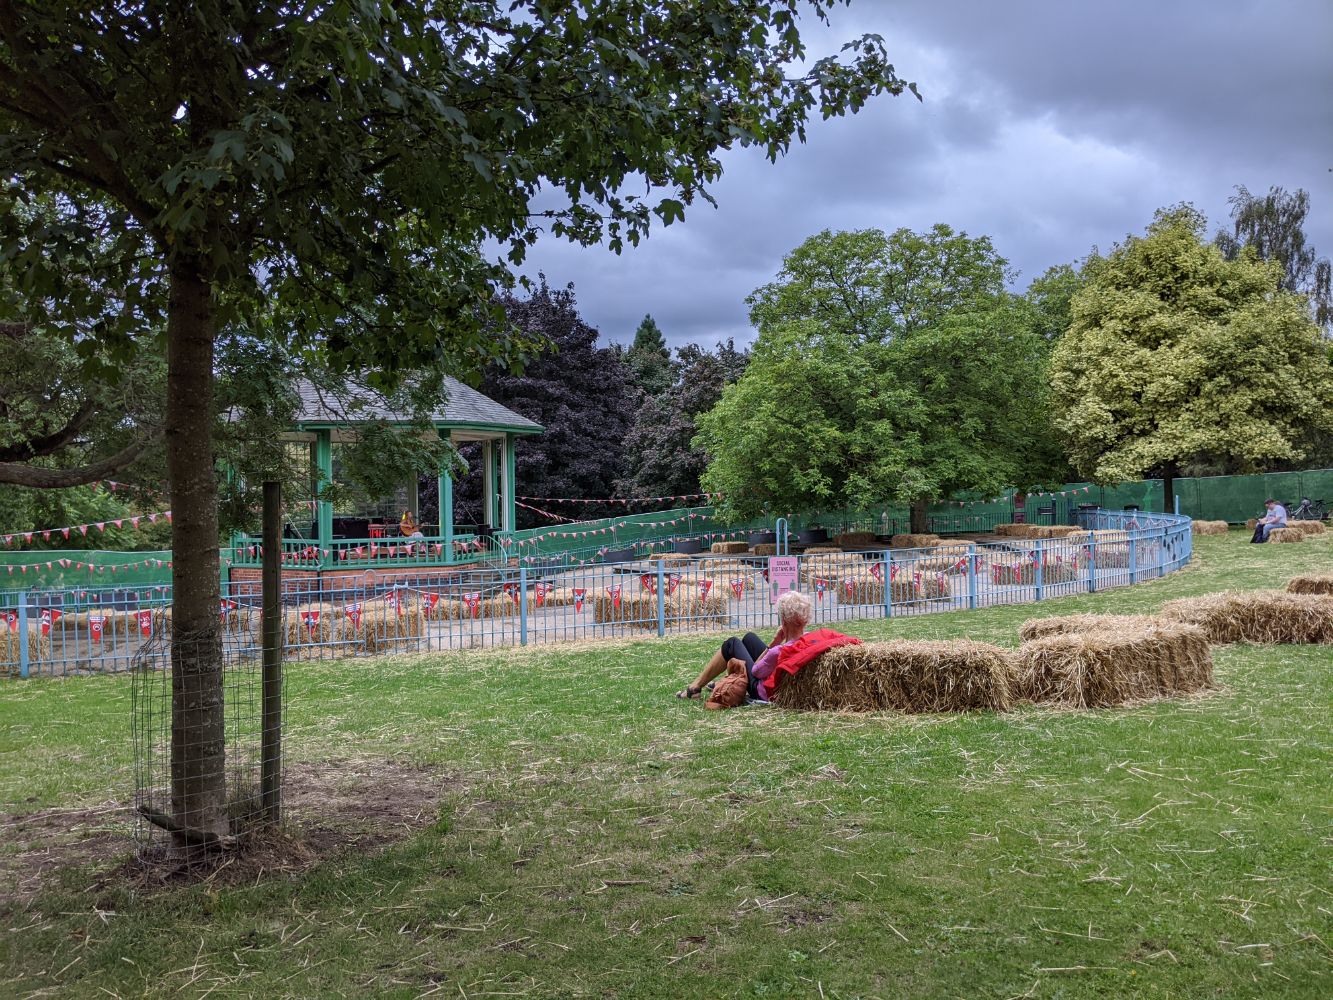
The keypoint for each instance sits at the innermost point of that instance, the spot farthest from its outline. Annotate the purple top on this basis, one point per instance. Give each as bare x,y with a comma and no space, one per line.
763,669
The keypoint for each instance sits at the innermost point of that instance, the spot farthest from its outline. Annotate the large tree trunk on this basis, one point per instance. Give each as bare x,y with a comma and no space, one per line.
1169,487
919,518
198,738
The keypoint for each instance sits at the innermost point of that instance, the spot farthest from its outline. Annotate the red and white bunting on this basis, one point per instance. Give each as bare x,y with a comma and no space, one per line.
310,619
704,587
738,587
820,587
579,594
353,613
539,591
145,620
82,529
614,594
473,602
95,623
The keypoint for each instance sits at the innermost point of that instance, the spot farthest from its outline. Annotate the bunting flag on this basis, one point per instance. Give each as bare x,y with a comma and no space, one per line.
648,582
310,619
473,602
512,590
539,591
353,612
893,574
877,570
704,587
82,529
579,594
738,587
12,620
430,599
614,594
849,586
673,581
820,587
95,623
228,606
145,620
624,501
49,617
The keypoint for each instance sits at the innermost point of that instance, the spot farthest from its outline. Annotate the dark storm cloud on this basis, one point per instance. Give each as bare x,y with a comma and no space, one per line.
1050,127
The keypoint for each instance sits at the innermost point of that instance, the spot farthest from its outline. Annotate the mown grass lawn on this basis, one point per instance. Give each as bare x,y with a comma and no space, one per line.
598,838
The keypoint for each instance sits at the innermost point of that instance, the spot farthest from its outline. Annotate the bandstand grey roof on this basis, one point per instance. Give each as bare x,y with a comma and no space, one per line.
462,406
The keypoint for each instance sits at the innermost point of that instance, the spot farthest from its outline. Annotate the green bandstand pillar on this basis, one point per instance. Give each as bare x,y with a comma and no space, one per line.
324,509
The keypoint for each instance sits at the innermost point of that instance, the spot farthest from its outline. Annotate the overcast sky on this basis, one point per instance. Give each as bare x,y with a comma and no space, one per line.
1052,126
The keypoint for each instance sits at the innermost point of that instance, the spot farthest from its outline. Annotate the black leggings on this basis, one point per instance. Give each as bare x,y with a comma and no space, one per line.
748,648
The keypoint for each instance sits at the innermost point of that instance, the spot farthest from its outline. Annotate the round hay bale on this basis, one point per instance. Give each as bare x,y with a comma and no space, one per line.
1286,535
1209,527
1040,628
1311,583
1102,668
1258,616
956,676
921,541
855,540
729,548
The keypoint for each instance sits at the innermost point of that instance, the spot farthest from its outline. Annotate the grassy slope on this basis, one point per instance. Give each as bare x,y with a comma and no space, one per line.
1170,850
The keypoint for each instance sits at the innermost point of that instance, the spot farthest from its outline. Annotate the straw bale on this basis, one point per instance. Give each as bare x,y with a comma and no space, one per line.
300,633
821,549
640,610
1040,628
114,623
921,541
1023,572
831,567
1210,527
1287,535
1251,524
904,589
1114,556
1307,527
729,548
765,549
1311,583
494,606
737,565
1008,530
1106,535
1105,667
855,539
39,648
381,627
1258,616
676,559
1051,530
956,676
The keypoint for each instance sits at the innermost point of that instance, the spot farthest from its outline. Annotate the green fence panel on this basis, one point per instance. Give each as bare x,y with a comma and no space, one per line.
66,569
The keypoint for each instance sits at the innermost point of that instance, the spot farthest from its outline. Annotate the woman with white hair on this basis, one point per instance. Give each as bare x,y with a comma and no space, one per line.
794,613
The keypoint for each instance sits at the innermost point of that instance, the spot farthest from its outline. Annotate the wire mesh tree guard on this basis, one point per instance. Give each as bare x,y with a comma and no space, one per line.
251,777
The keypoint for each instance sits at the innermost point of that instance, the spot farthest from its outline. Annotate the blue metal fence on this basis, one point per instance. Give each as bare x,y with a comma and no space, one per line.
92,630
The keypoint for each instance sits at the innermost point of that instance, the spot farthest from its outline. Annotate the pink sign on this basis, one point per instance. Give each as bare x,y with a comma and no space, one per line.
783,574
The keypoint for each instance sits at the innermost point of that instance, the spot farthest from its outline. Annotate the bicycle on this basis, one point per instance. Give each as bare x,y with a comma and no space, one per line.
1309,510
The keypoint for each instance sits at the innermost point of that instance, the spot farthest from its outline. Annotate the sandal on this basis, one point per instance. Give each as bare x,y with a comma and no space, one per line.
688,692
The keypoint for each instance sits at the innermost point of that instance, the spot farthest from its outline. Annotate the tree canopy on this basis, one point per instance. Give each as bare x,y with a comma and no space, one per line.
888,368
1272,226
341,170
660,456
1176,354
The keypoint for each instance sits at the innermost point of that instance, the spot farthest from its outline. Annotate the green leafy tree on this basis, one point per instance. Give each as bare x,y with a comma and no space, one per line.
1050,297
343,166
1273,227
887,369
1177,355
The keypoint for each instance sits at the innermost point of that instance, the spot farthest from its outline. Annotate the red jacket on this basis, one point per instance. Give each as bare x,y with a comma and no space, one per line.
797,653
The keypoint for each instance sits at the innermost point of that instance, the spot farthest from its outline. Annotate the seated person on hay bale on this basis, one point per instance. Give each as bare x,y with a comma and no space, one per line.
749,659
1276,518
